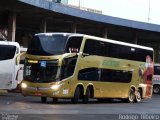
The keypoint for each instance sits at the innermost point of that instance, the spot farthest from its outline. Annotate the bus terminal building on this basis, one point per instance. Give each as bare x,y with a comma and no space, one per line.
21,19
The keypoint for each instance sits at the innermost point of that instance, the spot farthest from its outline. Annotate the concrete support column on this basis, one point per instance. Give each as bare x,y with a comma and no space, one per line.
73,28
135,37
11,26
105,33
43,27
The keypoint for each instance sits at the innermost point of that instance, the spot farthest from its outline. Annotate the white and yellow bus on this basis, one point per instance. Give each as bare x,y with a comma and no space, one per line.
77,66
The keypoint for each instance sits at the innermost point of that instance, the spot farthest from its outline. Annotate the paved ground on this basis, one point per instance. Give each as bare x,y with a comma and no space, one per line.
15,106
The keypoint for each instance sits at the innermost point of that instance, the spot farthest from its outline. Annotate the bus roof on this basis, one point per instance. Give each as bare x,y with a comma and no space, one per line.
13,43
97,38
9,43
120,43
23,49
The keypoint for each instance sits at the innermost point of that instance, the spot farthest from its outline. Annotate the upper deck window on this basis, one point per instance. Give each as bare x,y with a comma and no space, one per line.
106,49
73,44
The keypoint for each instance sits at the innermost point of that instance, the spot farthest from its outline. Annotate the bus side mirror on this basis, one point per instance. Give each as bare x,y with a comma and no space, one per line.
19,56
17,59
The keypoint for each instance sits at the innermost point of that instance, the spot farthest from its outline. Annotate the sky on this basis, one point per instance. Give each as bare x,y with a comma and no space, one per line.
139,10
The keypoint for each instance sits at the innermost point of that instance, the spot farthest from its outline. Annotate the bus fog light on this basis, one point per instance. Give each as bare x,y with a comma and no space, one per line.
24,85
55,87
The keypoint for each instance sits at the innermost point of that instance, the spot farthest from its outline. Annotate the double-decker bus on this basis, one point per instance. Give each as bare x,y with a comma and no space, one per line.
77,66
9,52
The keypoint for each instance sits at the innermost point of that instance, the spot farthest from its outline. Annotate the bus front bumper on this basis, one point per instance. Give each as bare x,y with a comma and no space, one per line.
39,90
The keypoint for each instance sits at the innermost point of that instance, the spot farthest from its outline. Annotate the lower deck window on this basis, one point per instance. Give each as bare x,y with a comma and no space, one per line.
105,75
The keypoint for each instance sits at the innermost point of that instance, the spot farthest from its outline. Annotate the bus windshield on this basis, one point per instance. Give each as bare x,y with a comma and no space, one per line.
41,71
47,45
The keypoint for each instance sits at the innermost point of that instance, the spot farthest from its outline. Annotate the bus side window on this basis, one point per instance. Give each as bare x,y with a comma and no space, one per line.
68,67
74,44
90,47
110,75
7,52
90,74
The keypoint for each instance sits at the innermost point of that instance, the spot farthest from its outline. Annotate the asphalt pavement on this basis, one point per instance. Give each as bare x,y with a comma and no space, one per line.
14,106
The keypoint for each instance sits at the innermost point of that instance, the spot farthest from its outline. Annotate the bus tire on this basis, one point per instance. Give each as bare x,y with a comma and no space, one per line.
156,89
87,96
76,96
131,97
55,100
138,96
43,99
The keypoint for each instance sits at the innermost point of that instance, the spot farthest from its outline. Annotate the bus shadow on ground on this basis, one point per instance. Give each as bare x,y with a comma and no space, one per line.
94,101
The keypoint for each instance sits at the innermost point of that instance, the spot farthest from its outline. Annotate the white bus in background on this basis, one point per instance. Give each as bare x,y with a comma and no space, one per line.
156,79
9,64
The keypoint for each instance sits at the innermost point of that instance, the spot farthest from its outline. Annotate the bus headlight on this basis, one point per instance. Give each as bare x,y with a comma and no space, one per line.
55,87
24,85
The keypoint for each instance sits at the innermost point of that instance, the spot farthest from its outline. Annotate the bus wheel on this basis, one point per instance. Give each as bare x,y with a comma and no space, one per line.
87,96
131,97
43,99
156,89
55,100
138,96
76,96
